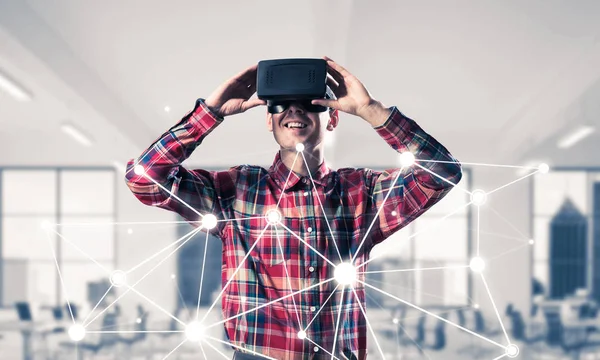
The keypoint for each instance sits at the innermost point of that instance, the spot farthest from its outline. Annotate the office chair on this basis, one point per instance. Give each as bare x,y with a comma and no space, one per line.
105,340
141,327
74,309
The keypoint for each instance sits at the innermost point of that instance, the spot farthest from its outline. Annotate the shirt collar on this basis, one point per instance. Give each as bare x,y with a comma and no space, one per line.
280,172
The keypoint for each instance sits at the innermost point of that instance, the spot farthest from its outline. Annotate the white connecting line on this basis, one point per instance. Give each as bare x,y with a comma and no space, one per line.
202,277
376,215
143,277
337,325
287,275
322,208
432,314
64,288
188,236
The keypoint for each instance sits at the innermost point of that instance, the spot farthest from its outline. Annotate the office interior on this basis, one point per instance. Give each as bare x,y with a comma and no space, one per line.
506,86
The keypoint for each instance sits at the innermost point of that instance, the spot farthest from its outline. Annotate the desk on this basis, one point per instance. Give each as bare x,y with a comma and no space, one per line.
28,328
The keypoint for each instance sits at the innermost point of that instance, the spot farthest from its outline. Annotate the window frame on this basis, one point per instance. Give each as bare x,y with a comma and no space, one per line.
58,215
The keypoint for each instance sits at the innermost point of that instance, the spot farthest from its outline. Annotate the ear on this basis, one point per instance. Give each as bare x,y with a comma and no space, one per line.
269,122
333,120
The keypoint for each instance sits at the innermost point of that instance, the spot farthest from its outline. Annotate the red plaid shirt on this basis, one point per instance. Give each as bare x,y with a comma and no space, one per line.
283,286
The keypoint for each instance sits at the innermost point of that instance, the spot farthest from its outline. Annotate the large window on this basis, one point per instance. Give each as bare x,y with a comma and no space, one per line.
437,239
566,216
63,196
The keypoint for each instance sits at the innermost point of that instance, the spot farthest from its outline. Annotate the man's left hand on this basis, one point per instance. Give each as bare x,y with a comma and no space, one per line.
352,96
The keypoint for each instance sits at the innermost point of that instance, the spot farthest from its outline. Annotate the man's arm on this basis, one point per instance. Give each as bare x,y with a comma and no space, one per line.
169,185
413,189
165,183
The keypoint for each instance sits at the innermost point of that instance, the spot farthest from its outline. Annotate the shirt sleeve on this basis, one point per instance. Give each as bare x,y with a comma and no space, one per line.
166,184
413,189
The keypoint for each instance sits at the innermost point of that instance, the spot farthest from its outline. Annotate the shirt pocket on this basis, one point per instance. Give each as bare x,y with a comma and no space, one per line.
275,245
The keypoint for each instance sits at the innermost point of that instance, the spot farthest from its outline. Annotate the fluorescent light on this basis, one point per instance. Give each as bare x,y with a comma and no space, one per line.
14,89
76,134
575,136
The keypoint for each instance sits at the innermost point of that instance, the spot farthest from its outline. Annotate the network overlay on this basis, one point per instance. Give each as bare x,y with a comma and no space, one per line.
345,273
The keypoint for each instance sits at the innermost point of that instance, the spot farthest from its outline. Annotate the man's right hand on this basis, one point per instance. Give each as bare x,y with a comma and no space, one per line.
232,97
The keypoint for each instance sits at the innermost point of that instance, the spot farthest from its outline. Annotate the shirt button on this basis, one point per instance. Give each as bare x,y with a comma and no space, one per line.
316,348
313,308
311,269
306,193
309,229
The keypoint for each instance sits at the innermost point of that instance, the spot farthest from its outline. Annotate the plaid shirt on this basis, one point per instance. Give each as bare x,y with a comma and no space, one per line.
319,211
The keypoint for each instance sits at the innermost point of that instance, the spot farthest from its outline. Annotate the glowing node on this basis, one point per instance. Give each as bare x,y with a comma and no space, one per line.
394,213
478,197
138,320
395,321
76,332
194,331
273,217
299,147
118,278
46,225
302,335
407,159
209,221
531,241
544,168
130,231
139,170
167,109
512,350
172,276
476,306
345,274
477,264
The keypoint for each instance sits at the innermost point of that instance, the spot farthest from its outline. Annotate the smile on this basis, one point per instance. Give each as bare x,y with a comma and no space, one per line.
295,125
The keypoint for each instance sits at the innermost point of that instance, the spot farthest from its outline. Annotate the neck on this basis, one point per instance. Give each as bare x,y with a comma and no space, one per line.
314,158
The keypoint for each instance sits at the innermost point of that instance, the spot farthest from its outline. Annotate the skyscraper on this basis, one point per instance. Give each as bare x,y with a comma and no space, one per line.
568,251
596,242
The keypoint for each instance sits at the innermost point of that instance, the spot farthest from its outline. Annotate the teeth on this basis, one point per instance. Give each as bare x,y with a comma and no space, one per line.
295,125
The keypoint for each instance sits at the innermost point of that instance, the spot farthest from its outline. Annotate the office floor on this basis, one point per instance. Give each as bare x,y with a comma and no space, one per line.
458,344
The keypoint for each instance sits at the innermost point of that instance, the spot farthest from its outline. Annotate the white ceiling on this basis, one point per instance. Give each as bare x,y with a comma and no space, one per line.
490,79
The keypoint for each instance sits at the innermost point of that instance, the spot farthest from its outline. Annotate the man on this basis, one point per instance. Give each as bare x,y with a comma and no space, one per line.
286,229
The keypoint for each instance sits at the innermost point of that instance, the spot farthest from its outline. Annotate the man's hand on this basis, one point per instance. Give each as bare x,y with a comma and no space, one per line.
232,97
352,96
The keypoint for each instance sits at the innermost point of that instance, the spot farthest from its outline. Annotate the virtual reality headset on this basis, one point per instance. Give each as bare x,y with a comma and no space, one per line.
282,82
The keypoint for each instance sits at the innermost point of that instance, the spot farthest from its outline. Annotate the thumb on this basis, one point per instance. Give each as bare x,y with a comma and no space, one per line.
253,103
325,102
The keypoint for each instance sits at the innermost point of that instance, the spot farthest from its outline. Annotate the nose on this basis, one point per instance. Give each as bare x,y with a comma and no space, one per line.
294,106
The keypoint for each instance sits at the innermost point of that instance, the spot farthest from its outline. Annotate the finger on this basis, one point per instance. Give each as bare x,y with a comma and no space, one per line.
253,103
335,74
326,102
247,73
252,88
339,68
